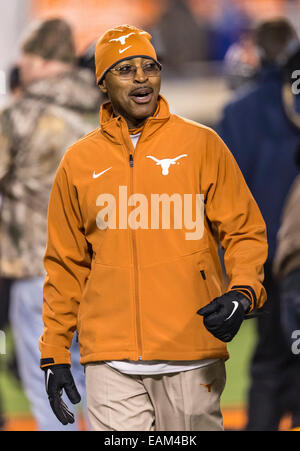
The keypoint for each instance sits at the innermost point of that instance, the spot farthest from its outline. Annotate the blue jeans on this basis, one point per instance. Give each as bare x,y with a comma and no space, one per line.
27,326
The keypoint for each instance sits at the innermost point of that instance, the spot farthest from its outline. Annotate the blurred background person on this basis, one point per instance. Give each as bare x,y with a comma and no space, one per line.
241,61
263,141
15,91
287,271
227,28
59,105
180,39
86,59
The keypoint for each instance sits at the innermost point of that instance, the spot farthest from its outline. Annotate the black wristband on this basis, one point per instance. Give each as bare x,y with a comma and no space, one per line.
246,303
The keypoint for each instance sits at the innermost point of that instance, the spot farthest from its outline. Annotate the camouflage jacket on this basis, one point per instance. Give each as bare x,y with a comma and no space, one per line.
35,131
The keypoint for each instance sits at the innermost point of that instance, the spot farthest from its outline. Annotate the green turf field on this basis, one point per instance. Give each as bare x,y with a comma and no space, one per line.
237,367
235,393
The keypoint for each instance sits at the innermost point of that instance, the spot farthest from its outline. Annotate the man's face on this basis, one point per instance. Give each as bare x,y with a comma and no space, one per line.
133,98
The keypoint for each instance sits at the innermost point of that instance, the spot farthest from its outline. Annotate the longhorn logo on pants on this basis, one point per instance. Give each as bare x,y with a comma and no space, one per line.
166,162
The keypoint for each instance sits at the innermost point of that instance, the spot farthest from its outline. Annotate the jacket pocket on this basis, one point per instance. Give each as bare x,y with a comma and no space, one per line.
211,281
171,293
104,317
203,273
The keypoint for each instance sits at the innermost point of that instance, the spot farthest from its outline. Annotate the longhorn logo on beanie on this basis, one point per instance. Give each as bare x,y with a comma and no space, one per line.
121,43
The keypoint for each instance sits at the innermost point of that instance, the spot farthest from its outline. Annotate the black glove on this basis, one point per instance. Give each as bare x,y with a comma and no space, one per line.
57,378
224,315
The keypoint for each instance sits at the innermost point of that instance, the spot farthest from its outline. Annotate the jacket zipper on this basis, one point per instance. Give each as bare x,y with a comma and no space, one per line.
136,275
131,160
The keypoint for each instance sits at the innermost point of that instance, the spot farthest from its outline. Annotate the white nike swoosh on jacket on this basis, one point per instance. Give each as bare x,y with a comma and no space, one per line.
95,176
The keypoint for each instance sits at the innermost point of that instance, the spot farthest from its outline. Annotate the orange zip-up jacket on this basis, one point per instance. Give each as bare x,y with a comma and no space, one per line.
132,289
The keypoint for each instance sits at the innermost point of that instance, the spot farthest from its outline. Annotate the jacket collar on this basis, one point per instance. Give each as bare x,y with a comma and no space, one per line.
114,126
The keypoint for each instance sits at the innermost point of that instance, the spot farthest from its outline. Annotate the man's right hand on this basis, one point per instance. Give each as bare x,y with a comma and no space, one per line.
57,378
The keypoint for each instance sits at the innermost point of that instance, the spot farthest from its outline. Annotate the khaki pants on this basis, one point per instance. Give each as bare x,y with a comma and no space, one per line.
185,401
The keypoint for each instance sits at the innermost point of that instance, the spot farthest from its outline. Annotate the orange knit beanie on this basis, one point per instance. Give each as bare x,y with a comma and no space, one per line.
121,43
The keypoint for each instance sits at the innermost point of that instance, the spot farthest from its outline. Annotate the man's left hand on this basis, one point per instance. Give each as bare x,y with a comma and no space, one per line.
224,315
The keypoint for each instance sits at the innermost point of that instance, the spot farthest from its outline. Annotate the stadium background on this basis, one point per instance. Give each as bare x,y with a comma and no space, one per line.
196,87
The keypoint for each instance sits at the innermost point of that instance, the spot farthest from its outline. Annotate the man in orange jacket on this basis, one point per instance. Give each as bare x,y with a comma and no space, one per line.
131,270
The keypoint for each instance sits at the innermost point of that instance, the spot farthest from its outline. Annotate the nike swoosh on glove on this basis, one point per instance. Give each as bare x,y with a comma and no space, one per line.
57,378
224,315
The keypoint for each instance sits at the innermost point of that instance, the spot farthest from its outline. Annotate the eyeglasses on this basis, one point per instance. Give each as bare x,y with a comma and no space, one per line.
128,71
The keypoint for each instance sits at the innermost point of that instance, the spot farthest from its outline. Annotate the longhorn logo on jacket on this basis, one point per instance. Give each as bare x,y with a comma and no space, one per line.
166,162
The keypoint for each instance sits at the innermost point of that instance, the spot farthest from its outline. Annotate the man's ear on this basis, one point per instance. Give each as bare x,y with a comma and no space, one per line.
103,87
